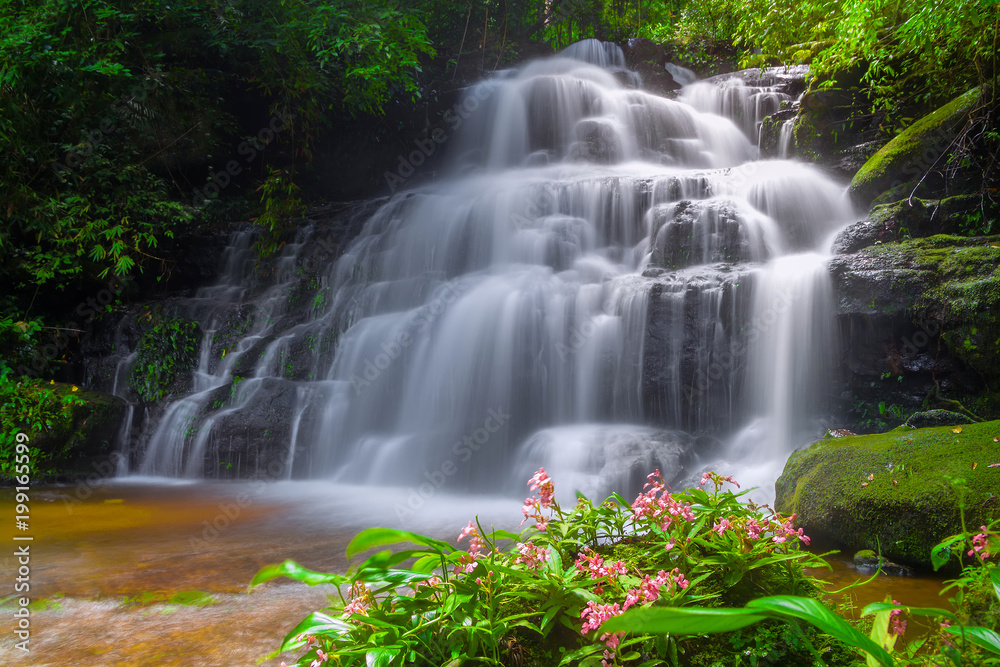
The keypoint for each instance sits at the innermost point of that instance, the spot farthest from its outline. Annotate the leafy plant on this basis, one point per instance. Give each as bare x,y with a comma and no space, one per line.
168,348
546,590
959,644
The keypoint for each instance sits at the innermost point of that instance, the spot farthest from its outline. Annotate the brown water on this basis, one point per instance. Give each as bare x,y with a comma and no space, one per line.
107,570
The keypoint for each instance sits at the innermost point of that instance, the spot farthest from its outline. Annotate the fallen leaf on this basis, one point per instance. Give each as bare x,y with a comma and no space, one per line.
996,439
871,477
895,483
957,429
974,465
993,465
864,483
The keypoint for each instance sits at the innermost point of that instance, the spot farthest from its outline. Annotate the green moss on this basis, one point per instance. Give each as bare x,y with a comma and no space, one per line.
953,280
918,145
891,491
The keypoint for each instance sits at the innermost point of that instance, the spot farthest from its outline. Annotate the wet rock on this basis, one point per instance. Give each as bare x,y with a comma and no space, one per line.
790,80
693,232
868,562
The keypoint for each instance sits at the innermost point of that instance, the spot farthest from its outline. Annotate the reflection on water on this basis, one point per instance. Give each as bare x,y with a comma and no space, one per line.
92,558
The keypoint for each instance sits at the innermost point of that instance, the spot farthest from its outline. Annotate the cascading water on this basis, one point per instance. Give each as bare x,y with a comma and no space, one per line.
608,282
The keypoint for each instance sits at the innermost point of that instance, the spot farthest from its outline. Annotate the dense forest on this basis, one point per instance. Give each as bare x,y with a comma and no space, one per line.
127,126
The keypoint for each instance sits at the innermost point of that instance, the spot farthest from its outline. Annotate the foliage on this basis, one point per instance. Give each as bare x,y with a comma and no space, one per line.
168,348
959,644
281,203
521,597
33,408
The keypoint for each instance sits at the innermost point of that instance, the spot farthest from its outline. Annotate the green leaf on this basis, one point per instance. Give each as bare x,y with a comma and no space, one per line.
378,537
316,623
808,609
981,637
381,657
293,570
686,621
995,578
941,553
880,634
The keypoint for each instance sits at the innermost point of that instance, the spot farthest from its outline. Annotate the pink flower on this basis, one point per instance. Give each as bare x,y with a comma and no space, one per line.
658,506
670,544
476,543
898,626
782,531
754,529
720,527
718,480
981,545
466,564
597,567
594,614
361,600
649,589
542,483
531,556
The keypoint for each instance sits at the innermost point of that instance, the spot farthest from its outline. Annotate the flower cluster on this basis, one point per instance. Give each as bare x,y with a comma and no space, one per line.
981,545
533,505
784,530
361,600
649,589
598,568
657,505
593,615
531,556
467,562
718,480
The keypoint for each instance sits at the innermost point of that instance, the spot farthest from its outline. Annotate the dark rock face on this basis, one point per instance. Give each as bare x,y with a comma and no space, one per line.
640,50
239,447
695,232
695,356
914,314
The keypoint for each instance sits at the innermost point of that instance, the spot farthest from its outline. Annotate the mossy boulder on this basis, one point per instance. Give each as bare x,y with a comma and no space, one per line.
912,153
891,491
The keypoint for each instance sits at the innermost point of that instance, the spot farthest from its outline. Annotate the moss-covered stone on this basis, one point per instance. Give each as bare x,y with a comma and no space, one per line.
951,280
915,150
891,491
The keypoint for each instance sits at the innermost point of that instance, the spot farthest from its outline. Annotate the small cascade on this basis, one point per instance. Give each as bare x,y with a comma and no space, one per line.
607,281
786,139
682,75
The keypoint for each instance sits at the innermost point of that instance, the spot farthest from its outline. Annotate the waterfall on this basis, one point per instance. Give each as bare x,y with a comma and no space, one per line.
607,281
